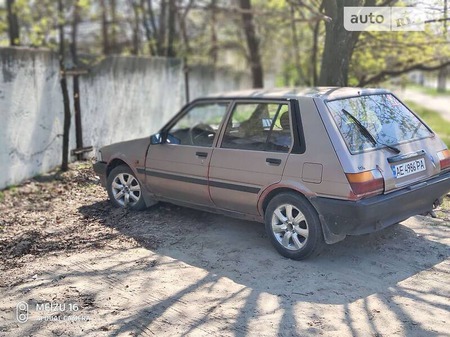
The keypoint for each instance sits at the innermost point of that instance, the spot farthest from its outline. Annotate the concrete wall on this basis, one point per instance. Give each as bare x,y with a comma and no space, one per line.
206,80
31,115
121,98
124,98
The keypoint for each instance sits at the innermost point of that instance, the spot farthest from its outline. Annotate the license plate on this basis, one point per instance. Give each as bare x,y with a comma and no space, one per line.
408,168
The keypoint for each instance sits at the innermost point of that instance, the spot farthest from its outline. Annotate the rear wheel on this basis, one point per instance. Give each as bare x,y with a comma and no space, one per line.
124,189
293,226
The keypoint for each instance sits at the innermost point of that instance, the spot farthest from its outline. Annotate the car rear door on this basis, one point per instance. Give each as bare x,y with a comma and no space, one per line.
251,154
178,169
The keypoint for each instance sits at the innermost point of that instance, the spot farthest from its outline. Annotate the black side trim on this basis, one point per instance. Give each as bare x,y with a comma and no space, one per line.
234,187
200,181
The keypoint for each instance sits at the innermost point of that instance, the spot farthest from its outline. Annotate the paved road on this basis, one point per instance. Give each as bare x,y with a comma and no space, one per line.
440,104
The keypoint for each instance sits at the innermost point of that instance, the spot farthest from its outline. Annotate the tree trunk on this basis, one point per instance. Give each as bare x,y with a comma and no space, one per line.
170,52
442,80
315,48
155,38
252,44
339,45
76,80
214,49
135,44
295,47
13,24
314,53
105,32
161,42
65,92
114,28
181,17
147,29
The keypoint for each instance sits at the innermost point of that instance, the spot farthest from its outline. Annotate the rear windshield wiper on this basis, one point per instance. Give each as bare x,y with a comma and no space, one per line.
366,133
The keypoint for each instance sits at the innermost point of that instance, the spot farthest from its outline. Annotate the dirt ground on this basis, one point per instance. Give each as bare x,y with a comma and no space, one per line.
83,268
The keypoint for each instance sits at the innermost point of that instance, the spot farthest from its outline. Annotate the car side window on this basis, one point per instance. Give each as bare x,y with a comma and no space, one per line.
259,126
199,125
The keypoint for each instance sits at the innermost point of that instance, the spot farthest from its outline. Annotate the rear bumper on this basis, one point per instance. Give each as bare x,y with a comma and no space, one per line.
100,168
372,214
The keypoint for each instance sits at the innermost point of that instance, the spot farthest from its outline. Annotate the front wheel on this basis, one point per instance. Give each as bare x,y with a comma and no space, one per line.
293,226
124,189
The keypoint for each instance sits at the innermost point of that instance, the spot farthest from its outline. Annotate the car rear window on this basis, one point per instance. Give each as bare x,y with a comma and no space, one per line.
383,115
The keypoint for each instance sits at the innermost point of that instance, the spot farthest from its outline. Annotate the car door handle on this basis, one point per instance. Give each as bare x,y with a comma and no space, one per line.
201,154
273,161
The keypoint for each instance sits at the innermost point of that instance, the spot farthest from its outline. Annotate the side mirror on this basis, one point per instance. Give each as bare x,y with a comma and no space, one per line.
157,138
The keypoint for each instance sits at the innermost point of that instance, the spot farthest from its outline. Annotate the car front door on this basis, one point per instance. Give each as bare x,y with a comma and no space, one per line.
252,154
178,168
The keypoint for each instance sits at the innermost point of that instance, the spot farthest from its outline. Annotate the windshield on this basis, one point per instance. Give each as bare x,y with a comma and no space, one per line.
384,116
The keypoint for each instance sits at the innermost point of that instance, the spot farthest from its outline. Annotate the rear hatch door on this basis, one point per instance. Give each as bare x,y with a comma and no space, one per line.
381,133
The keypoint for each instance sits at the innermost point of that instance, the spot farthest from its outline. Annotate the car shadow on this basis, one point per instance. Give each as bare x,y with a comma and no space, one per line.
343,273
221,244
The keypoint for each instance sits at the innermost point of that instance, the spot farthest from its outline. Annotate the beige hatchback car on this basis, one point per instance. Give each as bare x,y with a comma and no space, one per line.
313,164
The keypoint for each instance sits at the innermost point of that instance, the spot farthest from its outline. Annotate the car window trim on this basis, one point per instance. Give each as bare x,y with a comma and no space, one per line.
188,107
299,146
253,101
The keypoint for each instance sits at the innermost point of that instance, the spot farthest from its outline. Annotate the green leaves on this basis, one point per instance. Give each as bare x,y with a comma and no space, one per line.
291,35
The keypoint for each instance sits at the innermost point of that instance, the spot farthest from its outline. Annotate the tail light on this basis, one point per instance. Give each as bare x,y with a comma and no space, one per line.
444,159
366,183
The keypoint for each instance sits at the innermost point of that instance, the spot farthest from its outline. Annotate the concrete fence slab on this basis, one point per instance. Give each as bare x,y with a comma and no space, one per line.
121,98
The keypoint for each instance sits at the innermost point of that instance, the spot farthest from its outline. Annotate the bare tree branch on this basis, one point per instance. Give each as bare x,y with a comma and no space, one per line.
390,73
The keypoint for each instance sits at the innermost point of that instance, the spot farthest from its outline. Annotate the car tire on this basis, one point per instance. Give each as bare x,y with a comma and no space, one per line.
124,189
293,226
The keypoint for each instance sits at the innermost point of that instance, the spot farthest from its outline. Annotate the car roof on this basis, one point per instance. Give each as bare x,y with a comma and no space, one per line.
325,93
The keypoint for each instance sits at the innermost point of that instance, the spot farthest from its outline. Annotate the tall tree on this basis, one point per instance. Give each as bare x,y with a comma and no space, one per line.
161,37
339,43
442,79
136,27
214,48
443,72
296,44
379,56
114,27
105,31
13,23
76,80
170,50
64,90
254,55
146,21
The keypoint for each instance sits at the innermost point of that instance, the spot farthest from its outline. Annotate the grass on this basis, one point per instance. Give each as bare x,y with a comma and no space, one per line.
84,165
10,189
429,91
443,211
440,125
